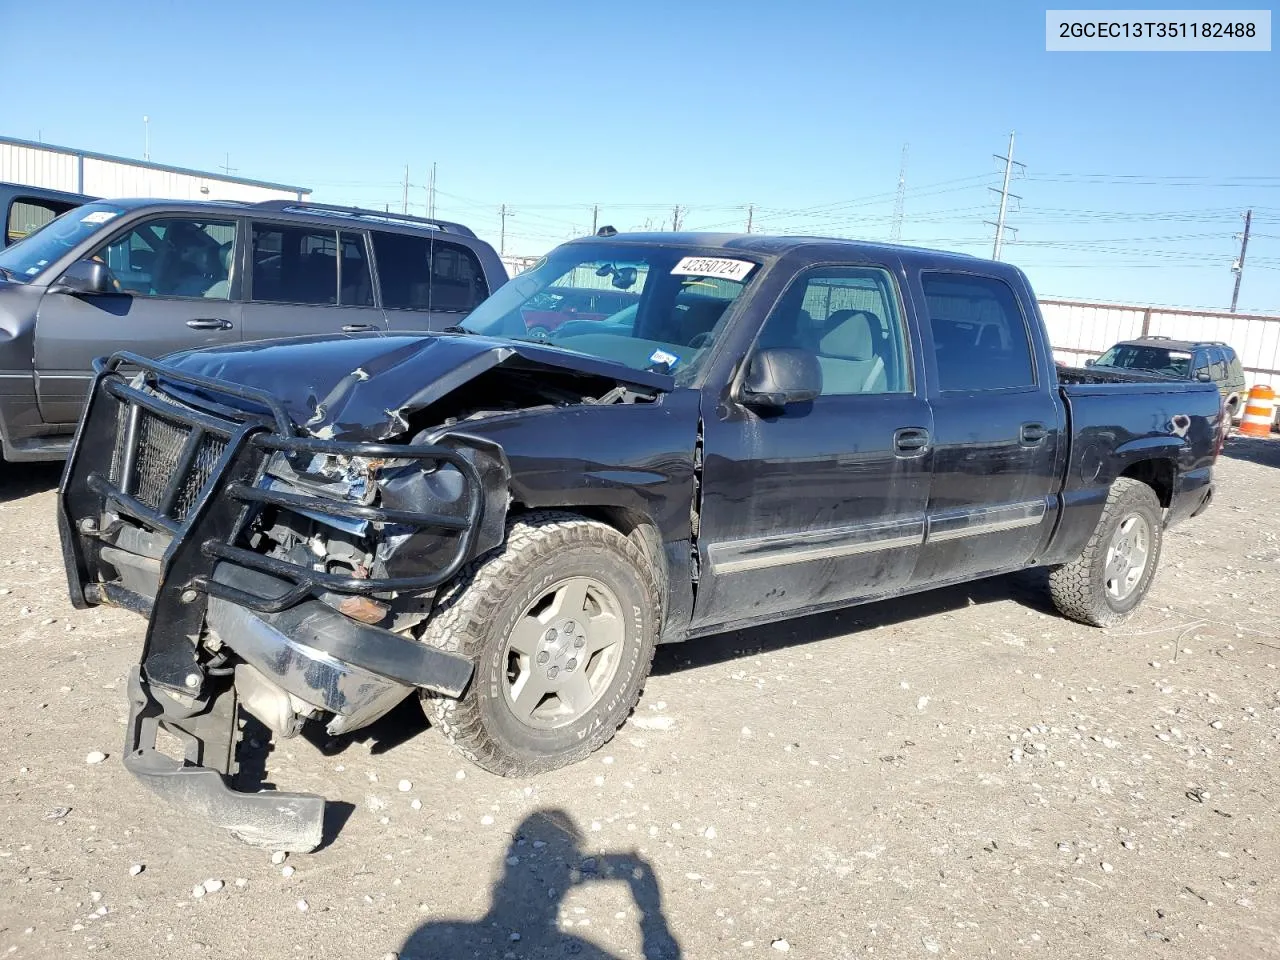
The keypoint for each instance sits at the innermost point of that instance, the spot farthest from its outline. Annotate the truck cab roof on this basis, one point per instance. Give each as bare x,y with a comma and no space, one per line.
772,246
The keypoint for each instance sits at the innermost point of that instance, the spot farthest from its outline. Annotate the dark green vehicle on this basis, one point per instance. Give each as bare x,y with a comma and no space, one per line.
1209,361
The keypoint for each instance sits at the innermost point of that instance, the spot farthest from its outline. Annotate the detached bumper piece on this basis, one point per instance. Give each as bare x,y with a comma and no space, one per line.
165,477
281,821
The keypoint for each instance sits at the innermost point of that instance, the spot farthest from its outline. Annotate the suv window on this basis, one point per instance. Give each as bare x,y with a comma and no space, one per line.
357,285
1234,367
29,214
1201,361
1139,356
424,273
1217,366
980,338
294,264
849,317
173,257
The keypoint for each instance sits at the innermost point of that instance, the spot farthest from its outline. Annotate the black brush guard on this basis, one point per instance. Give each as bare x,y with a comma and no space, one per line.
166,490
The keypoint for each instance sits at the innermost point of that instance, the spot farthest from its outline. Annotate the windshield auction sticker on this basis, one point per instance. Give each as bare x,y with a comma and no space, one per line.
1158,30
713,267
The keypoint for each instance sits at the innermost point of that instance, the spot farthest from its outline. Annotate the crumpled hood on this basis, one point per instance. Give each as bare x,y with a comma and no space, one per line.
362,387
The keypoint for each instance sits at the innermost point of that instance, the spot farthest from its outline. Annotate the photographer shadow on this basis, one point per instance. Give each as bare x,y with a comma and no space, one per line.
541,864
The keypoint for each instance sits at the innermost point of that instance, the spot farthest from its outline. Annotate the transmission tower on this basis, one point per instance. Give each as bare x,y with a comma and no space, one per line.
900,200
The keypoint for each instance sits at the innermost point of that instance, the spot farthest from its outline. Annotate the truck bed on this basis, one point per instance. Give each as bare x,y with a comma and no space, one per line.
1173,427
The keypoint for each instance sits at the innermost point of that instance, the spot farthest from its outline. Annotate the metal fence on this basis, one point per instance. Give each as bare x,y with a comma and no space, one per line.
1080,330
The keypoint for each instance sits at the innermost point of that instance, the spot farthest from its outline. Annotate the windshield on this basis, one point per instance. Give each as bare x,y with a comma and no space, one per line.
649,307
29,257
1125,356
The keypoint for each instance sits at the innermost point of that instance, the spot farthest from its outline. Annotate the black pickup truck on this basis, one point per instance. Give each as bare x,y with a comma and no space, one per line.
318,528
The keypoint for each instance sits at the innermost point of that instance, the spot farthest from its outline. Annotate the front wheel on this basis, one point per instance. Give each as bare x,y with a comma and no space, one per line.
1105,584
561,622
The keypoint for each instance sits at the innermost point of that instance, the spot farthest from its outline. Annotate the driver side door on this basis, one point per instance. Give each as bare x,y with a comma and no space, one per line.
176,274
820,503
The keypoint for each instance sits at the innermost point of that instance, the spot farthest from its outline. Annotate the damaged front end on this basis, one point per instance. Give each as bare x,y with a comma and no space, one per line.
280,574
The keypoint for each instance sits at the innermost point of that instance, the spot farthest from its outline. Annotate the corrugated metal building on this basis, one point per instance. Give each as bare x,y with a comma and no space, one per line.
101,175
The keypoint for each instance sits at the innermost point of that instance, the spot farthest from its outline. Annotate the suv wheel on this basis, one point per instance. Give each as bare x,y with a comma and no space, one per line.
561,622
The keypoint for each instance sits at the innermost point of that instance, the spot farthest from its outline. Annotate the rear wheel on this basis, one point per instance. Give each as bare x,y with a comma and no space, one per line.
1105,584
561,622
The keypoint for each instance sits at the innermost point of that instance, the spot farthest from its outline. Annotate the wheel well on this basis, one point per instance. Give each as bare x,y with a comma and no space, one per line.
636,527
1156,474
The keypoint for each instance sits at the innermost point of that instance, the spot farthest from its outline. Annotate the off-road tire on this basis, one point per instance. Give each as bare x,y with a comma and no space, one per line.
475,614
1078,588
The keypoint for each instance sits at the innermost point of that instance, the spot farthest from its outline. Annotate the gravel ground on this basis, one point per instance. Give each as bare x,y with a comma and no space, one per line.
962,773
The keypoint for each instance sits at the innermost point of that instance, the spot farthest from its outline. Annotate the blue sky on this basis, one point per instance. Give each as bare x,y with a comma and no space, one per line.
1138,165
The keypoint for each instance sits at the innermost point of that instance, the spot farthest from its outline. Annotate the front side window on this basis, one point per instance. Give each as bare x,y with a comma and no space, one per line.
980,338
31,256
848,317
294,264
669,304
173,257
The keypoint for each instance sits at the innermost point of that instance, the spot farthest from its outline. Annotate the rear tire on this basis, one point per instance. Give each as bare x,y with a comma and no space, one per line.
1106,583
561,622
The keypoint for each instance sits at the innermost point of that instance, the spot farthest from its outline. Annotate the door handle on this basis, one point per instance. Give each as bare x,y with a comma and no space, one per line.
209,323
911,441
1033,433
359,327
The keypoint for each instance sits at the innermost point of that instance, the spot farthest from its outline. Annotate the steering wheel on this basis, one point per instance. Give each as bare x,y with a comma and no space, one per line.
700,340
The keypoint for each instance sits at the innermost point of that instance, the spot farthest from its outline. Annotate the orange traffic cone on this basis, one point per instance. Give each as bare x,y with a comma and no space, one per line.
1259,412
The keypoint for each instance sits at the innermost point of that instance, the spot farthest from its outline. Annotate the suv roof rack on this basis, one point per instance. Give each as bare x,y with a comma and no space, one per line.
296,206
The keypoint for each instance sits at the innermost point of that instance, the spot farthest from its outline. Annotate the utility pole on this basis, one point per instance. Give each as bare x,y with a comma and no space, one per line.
431,192
751,213
227,168
146,138
1238,266
595,218
1009,164
503,213
404,201
899,202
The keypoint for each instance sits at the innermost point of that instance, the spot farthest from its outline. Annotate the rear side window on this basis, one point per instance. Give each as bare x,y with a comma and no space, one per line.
1234,366
422,273
357,285
294,264
1217,366
980,338
30,214
457,282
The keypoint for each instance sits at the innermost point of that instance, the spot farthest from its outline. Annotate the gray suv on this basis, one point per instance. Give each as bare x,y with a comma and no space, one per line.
156,276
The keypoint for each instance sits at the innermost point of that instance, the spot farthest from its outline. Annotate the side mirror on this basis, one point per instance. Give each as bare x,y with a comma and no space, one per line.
778,376
1203,376
1091,362
85,277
